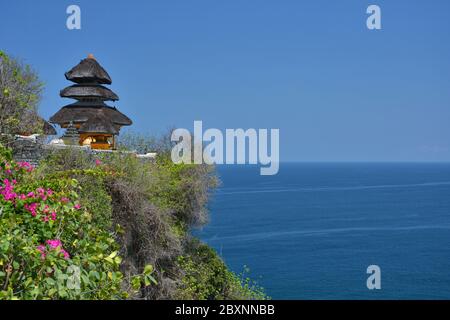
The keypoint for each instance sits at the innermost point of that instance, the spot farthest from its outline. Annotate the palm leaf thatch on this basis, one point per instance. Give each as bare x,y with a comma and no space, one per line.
98,124
78,113
83,91
88,71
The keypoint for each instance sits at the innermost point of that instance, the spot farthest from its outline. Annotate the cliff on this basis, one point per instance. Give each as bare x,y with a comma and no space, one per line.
122,223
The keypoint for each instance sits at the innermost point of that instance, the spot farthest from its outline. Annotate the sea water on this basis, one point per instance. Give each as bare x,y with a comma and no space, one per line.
311,231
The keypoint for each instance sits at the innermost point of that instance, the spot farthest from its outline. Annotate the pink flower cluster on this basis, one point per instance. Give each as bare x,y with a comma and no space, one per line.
7,190
32,208
28,167
55,244
25,165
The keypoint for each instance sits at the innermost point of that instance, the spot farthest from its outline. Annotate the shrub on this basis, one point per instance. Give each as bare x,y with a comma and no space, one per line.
153,206
51,246
206,277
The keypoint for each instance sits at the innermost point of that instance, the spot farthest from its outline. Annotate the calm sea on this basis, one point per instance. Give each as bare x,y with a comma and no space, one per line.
311,231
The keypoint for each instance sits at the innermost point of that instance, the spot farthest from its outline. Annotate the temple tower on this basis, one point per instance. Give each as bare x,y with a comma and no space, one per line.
96,122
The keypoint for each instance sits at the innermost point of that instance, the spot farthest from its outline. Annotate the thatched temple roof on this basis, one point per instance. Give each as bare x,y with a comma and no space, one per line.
79,112
88,71
98,124
82,91
90,114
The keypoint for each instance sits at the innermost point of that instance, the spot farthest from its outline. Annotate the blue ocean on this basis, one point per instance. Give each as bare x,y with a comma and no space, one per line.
311,231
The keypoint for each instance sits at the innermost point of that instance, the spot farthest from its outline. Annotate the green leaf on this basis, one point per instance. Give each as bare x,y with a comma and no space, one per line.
148,269
85,279
112,255
136,283
152,279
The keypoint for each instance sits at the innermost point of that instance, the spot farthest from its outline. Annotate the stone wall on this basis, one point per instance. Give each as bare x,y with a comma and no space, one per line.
27,150
33,151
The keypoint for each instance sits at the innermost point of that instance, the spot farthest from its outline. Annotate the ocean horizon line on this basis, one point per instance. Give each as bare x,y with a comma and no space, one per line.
338,162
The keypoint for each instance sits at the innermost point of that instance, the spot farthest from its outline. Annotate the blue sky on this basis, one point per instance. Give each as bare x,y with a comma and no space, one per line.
336,90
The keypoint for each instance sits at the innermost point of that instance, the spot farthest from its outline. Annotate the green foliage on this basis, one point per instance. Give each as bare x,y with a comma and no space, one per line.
172,181
134,215
183,188
145,279
181,191
20,93
91,187
206,277
5,155
51,247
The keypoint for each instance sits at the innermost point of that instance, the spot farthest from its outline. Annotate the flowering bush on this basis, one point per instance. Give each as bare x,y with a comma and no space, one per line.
51,247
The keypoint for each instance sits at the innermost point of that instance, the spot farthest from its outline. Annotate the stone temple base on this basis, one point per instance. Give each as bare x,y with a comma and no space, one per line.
33,148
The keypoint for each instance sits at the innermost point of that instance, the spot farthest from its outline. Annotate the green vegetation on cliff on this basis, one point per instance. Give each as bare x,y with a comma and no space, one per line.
111,227
124,223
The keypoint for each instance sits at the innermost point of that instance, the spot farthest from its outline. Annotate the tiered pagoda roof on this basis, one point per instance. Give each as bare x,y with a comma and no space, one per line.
82,111
90,114
87,71
80,91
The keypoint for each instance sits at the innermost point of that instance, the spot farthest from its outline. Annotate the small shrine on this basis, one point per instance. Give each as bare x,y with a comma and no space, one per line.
90,121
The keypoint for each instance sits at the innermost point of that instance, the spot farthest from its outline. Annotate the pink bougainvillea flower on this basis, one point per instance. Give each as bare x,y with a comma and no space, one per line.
65,253
64,200
54,244
97,162
7,190
53,216
41,193
77,206
41,249
25,165
32,208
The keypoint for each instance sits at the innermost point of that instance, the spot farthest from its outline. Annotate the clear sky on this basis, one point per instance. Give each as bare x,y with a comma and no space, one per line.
336,90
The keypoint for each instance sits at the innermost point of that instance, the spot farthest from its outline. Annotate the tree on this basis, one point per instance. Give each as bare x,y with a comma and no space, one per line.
20,94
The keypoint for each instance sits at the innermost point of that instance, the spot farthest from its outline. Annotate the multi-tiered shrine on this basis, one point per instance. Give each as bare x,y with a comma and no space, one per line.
90,120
